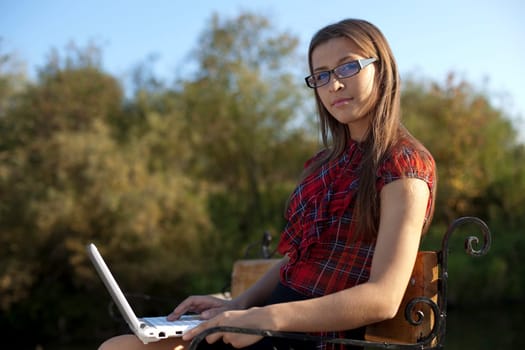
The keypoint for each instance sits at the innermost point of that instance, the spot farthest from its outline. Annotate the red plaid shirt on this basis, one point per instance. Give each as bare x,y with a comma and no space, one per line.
319,235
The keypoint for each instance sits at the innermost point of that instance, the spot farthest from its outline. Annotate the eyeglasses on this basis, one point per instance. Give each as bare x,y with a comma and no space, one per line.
346,70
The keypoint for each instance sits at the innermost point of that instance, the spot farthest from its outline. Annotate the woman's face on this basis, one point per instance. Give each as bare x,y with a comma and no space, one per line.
349,99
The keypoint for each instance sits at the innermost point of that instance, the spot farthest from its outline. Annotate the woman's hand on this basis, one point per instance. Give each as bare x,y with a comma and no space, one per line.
251,318
205,305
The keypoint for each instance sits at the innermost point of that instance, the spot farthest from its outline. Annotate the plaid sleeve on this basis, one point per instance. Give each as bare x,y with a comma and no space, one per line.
407,162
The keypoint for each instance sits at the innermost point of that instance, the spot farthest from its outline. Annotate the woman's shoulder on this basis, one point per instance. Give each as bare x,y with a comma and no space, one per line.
409,146
408,155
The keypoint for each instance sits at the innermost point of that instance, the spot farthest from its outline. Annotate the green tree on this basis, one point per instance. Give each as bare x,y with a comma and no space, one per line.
239,110
480,166
65,180
12,79
475,144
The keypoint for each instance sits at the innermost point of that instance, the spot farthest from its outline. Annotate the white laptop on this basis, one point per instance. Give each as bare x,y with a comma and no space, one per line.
147,329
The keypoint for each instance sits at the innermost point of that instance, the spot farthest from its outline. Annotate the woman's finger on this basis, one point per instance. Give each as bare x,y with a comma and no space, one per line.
212,338
197,304
190,334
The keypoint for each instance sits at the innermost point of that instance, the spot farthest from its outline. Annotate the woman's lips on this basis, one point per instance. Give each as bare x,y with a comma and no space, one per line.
341,102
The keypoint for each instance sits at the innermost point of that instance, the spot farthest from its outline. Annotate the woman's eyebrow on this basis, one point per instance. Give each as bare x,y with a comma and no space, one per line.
340,61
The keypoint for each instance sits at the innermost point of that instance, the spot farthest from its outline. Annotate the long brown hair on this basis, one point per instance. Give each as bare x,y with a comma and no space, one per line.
385,127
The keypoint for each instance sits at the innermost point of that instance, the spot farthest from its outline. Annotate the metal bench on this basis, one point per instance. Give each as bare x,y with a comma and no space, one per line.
421,319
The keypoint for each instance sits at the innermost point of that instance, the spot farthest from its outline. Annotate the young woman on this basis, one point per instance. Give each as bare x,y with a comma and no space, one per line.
354,221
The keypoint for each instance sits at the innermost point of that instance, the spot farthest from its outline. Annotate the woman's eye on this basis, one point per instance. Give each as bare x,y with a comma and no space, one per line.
321,76
347,69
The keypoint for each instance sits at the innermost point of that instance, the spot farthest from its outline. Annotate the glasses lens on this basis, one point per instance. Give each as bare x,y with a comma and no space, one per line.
318,79
347,70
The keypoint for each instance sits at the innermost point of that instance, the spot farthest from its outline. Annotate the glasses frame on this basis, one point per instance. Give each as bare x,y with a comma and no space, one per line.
362,63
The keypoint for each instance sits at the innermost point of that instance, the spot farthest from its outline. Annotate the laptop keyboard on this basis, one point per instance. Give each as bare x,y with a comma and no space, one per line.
191,321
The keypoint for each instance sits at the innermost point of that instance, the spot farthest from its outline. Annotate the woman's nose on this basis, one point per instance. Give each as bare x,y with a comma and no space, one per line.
335,83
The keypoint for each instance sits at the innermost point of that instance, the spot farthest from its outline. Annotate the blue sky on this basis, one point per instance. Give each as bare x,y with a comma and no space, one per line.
482,41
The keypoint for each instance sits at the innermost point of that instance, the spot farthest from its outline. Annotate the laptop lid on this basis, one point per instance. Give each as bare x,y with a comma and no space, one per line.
113,288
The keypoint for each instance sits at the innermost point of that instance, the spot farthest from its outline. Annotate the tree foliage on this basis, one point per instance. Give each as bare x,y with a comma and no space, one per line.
238,110
65,180
481,173
475,146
